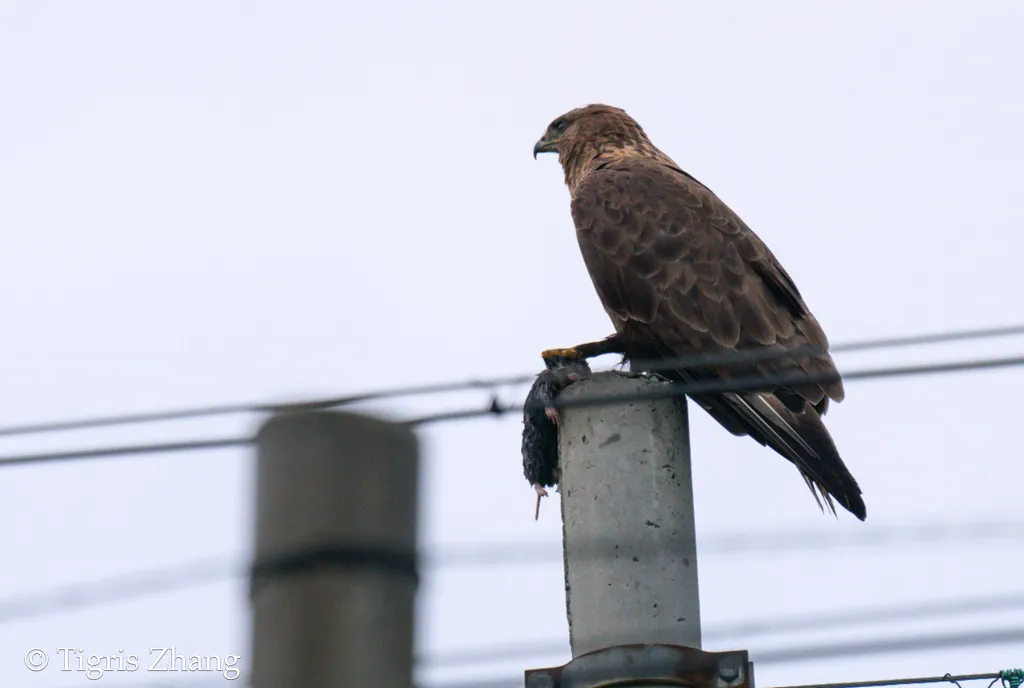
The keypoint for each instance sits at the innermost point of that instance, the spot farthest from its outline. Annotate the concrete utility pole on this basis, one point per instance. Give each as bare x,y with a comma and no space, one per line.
334,580
630,546
627,519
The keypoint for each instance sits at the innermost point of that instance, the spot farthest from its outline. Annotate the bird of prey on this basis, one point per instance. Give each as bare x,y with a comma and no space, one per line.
681,275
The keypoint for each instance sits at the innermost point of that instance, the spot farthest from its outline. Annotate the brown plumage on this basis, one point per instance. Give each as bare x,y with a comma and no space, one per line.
680,274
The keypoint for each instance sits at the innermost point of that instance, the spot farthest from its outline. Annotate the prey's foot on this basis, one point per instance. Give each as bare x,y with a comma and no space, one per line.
541,492
552,413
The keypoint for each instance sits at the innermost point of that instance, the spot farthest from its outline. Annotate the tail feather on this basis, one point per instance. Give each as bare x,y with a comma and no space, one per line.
800,437
795,430
819,494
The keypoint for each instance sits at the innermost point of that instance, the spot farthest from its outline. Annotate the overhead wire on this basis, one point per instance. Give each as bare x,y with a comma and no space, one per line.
127,450
880,646
206,571
879,683
741,356
494,408
936,641
771,353
753,383
749,542
719,386
120,588
256,407
943,609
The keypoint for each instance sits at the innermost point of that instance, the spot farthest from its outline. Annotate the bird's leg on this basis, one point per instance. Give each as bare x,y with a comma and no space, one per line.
615,344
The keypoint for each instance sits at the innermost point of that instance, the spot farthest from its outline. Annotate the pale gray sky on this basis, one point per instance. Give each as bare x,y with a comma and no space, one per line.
218,201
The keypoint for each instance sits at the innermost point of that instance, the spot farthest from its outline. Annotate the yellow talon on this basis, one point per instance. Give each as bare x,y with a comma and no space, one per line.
560,353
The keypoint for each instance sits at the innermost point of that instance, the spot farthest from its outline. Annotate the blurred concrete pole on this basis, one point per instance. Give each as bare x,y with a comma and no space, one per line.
627,519
335,573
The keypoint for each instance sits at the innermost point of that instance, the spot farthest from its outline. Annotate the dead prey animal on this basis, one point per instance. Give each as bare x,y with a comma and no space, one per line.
541,421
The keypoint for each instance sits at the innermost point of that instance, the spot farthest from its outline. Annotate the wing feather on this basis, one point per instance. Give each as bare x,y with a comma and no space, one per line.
679,273
665,252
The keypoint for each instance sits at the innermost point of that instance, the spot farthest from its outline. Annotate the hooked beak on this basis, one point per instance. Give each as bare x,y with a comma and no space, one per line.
543,146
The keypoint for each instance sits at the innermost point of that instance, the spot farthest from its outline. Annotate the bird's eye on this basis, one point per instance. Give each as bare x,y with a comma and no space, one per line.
560,125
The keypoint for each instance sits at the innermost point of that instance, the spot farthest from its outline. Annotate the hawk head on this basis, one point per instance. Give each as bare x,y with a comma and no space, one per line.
591,124
585,136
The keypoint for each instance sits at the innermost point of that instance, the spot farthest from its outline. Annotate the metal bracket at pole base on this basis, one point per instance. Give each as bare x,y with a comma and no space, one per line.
636,666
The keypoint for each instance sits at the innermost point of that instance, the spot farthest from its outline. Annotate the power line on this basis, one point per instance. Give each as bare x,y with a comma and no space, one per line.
662,392
211,570
935,641
744,384
943,609
754,383
491,383
772,353
933,338
948,678
232,409
509,554
905,612
127,450
118,589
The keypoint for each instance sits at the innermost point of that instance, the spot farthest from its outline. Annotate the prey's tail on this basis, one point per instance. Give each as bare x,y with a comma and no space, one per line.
800,436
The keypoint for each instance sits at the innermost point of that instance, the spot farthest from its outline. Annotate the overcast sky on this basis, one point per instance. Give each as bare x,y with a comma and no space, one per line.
207,202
